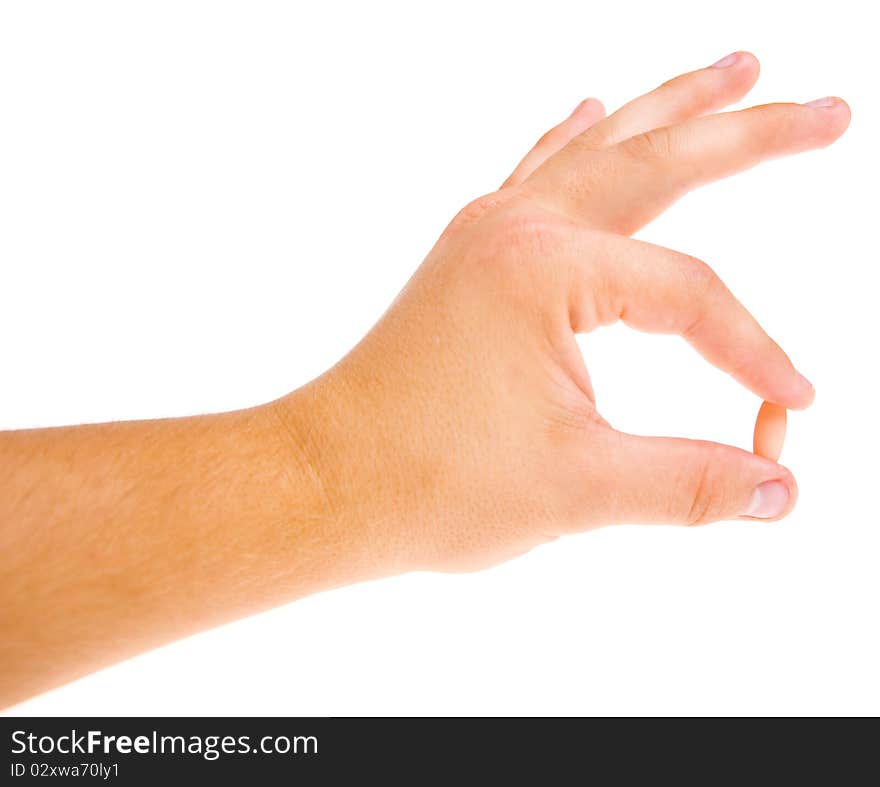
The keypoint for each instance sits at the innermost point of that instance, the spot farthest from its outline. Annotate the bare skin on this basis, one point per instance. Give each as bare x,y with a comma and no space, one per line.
460,432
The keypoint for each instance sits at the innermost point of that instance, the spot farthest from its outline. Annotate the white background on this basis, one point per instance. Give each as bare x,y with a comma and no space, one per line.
205,204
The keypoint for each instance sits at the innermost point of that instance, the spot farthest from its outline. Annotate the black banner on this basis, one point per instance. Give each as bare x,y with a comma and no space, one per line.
170,751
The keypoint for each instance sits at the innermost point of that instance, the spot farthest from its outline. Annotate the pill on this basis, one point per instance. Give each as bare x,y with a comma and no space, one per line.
770,431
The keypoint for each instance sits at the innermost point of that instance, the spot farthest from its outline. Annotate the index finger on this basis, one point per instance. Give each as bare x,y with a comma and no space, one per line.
655,289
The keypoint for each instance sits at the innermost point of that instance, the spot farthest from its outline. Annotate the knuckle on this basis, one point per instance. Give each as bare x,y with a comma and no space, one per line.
706,499
528,233
653,145
517,254
700,276
476,209
547,138
703,287
509,227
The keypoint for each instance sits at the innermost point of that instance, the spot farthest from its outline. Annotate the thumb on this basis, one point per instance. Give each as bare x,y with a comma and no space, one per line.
692,482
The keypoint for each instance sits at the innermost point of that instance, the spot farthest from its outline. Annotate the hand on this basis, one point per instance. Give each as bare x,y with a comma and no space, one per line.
463,430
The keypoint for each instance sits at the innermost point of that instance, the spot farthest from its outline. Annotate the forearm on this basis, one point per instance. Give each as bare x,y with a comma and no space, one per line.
118,537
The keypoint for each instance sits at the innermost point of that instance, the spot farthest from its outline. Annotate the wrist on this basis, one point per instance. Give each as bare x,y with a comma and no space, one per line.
338,480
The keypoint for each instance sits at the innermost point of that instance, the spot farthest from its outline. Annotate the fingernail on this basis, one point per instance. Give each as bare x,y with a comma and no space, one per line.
768,500
828,101
726,61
